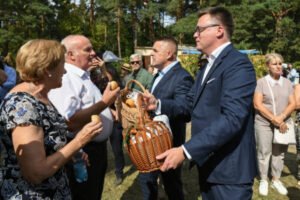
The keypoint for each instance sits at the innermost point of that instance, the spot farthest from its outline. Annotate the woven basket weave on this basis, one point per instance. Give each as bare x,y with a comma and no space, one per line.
127,116
145,140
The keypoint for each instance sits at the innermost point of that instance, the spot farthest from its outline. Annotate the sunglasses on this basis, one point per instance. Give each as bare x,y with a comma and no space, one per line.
135,62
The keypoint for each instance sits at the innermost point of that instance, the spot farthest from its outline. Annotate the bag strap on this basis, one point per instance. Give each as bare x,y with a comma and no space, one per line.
274,108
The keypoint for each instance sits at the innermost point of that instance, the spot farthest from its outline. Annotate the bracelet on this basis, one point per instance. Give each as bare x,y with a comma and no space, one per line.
284,116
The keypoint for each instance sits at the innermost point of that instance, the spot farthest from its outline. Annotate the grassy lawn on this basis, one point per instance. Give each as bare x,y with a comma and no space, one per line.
130,189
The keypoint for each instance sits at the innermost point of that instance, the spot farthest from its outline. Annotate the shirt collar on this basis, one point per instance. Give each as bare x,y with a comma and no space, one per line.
213,56
273,82
76,70
166,69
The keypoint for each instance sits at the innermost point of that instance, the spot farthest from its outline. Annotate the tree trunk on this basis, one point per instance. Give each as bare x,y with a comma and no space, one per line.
105,34
92,12
278,18
180,10
43,23
151,29
133,25
119,30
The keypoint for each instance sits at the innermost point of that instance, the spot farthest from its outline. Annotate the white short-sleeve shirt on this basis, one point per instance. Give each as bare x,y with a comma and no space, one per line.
79,92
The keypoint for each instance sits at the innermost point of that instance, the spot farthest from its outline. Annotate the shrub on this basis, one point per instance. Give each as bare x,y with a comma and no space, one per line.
259,63
190,63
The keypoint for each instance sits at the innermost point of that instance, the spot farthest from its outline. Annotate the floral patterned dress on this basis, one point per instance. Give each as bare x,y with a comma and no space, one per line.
298,142
18,109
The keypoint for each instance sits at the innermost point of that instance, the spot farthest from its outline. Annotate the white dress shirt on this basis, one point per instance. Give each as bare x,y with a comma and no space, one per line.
211,59
79,92
213,56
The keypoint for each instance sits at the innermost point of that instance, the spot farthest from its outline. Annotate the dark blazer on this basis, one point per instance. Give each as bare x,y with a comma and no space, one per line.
171,90
223,143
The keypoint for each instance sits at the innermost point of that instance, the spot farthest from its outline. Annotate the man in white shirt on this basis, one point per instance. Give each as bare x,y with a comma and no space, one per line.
77,100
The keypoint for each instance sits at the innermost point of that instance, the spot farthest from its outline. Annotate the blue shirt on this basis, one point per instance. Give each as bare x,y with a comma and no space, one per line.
9,83
292,76
162,73
158,78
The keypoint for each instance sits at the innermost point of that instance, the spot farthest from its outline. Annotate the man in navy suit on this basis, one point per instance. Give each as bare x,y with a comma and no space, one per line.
222,143
170,86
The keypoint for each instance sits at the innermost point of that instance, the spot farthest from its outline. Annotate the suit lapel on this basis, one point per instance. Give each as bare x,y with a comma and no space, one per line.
165,77
155,76
216,64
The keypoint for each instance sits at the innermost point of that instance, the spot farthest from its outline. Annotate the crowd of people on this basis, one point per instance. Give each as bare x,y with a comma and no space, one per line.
46,118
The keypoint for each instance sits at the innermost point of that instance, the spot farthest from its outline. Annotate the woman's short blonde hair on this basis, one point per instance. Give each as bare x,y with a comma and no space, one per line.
38,55
271,56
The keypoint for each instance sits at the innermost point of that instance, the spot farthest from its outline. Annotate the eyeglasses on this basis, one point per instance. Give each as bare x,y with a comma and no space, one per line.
200,29
135,62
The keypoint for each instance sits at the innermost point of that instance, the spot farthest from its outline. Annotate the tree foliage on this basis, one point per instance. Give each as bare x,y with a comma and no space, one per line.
265,25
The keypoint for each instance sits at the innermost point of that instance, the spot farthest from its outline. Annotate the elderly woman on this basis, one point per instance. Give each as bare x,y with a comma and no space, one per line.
297,97
266,120
33,133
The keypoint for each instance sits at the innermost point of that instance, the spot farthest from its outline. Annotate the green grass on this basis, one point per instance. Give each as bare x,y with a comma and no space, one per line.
130,189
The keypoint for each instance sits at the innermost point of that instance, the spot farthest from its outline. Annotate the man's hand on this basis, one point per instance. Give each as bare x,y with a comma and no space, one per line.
172,158
150,102
109,96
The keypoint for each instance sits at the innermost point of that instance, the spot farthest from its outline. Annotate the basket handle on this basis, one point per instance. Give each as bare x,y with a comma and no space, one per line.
143,114
135,81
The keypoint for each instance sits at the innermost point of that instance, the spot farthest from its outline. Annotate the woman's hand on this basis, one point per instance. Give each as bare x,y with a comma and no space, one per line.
85,157
277,120
88,132
98,62
115,115
283,127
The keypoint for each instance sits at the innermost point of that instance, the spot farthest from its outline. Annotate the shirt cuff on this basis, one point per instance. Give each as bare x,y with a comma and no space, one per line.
158,109
186,153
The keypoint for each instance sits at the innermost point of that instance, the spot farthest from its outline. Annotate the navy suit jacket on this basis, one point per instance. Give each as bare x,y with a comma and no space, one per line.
223,141
171,90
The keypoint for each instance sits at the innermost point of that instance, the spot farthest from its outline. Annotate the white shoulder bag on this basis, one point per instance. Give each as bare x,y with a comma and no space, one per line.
287,137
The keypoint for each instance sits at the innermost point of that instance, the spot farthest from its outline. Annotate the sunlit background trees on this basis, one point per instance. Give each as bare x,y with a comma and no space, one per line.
120,25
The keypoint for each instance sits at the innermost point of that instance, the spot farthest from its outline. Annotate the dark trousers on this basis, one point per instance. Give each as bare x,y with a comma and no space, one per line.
116,141
171,180
210,191
213,191
92,188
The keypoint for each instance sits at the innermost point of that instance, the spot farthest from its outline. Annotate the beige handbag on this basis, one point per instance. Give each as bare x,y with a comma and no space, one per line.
287,137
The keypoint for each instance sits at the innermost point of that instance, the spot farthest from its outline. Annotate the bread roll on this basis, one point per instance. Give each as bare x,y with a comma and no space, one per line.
95,118
113,85
130,103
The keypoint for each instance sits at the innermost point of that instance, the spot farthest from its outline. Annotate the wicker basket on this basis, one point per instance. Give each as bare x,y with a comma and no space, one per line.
145,140
127,116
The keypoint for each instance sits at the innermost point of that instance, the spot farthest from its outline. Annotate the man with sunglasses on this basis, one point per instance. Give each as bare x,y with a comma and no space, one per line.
220,101
139,73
